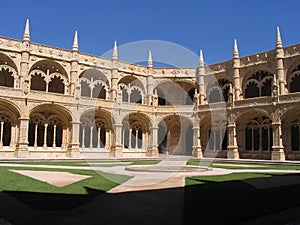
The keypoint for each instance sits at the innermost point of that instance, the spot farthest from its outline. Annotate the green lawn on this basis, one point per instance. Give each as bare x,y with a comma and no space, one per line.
10,181
88,163
251,165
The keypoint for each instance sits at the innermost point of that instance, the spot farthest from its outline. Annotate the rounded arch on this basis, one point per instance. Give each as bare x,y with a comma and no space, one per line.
48,126
135,133
131,81
175,92
6,60
290,122
175,134
254,133
50,109
96,129
10,107
293,77
258,83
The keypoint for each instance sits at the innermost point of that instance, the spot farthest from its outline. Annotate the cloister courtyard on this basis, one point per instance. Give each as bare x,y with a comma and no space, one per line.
169,190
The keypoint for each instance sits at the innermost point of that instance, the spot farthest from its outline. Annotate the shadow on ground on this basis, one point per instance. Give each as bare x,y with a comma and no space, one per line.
231,202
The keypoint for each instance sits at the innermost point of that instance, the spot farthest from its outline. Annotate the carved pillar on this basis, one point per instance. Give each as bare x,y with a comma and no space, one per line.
153,148
279,69
236,79
114,80
197,149
73,150
45,135
91,137
107,137
2,134
232,152
99,138
13,136
24,81
35,135
117,147
150,87
202,94
277,148
74,72
22,145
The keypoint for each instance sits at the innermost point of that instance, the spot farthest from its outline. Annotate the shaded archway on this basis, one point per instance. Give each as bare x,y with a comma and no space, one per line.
49,127
9,124
258,84
96,130
49,76
133,90
175,135
94,84
136,133
175,93
255,134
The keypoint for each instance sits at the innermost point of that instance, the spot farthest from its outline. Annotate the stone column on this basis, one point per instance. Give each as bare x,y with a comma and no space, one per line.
54,137
197,149
98,138
45,136
2,132
73,150
13,137
91,137
136,139
232,152
83,137
117,147
35,135
153,146
107,137
277,148
22,145
129,138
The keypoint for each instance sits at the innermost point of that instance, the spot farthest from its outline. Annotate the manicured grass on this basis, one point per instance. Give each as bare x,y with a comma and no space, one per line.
10,181
251,165
88,163
221,178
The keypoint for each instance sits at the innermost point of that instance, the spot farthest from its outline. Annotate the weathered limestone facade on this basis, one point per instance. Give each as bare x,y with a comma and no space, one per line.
61,103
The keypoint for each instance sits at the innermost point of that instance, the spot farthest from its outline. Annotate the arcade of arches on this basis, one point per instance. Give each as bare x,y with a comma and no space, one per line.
60,103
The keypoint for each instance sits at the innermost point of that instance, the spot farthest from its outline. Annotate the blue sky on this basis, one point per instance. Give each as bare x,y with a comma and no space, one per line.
210,25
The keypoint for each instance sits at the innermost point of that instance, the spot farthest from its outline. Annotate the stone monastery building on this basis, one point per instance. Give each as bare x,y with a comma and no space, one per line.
61,103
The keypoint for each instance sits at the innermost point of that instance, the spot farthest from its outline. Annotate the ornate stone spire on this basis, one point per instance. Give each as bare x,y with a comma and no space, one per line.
26,36
150,63
115,51
75,42
235,49
278,38
201,60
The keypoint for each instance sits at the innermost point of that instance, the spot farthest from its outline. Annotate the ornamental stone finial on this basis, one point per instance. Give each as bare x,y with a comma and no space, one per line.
235,49
201,59
150,63
115,51
278,38
75,42
26,36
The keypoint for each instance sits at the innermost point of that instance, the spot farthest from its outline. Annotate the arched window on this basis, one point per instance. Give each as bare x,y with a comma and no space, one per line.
56,85
85,88
37,82
124,95
295,83
5,129
219,91
190,97
258,135
6,78
218,137
259,84
252,90
135,96
161,97
99,91
295,135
